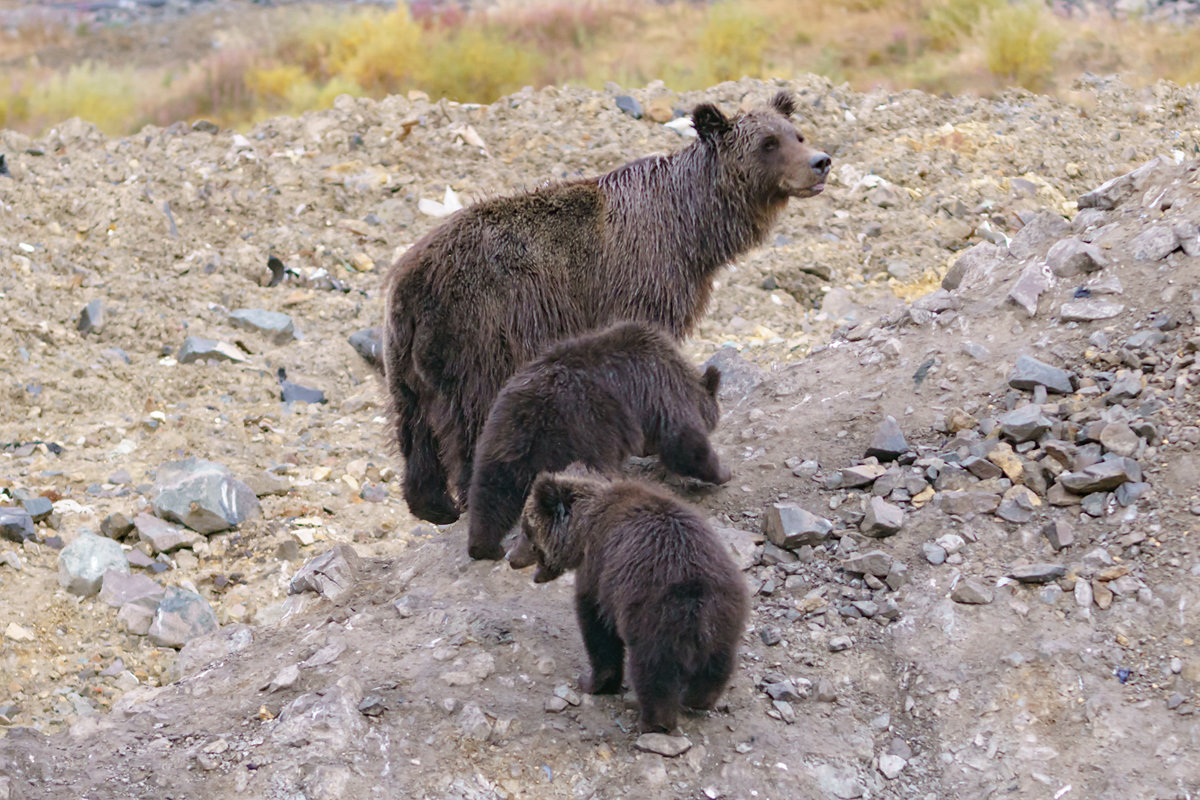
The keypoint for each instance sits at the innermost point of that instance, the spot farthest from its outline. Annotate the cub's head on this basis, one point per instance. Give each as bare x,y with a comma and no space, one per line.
547,536
765,150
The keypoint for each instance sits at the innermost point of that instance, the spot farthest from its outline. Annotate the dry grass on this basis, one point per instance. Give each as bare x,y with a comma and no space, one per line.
296,59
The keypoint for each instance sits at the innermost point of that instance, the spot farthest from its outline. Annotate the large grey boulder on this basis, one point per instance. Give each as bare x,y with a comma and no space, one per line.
203,495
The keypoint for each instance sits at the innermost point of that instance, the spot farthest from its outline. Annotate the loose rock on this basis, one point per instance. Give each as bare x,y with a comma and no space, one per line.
789,526
203,495
82,563
181,616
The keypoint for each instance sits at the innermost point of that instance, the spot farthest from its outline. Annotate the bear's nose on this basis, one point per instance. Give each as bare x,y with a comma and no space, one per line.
820,164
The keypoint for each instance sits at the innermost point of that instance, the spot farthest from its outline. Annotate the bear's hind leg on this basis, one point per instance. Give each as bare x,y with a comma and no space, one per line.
605,650
656,680
707,684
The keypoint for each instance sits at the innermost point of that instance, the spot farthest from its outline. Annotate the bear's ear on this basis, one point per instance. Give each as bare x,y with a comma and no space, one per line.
553,498
712,379
709,122
784,103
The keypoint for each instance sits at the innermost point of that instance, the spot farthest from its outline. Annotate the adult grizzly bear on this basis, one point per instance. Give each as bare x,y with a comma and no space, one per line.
596,399
486,291
650,577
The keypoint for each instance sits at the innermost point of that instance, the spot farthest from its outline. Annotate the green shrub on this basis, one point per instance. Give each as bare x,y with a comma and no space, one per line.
472,66
732,41
1020,41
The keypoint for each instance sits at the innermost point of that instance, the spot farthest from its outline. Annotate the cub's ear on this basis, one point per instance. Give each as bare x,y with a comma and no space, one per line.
712,379
553,497
784,103
709,122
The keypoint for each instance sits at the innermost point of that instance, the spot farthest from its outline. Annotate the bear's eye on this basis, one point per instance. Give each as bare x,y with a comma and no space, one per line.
770,143
800,138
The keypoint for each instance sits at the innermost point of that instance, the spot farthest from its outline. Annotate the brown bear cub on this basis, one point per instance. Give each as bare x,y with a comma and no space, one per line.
596,400
651,577
494,285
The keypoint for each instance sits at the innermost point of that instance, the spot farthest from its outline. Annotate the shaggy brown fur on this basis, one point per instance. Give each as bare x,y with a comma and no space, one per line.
481,295
651,577
597,400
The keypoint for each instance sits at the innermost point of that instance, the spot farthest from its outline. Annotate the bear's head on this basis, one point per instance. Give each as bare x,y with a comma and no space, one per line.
547,538
762,151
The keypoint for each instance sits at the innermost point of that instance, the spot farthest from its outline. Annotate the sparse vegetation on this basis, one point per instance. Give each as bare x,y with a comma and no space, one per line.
295,59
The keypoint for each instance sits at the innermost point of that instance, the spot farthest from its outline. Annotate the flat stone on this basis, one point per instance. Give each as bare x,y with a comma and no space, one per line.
331,574
663,744
203,495
970,591
1155,243
39,508
1128,493
116,525
1028,372
137,558
1018,505
330,721
888,443
196,348
839,643
1038,234
1031,283
290,392
882,518
181,616
1119,438
91,318
973,264
959,420
951,542
119,588
1188,234
1083,593
1088,310
1101,477
368,343
1008,462
934,553
1127,386
163,537
266,483
278,326
861,475
743,545
82,563
1037,573
629,105
838,782
1071,256
789,526
16,525
1112,193
967,503
981,468
285,678
738,376
786,691
875,562
891,766
1024,424
1059,534
1102,595
136,617
1145,339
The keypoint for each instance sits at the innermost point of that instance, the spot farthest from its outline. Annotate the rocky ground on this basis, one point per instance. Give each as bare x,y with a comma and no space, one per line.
996,593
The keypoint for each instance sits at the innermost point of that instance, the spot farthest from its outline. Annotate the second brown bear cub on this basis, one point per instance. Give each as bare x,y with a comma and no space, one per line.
651,577
597,400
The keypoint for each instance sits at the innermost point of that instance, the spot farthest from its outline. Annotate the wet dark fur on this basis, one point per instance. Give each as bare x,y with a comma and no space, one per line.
483,294
651,577
597,399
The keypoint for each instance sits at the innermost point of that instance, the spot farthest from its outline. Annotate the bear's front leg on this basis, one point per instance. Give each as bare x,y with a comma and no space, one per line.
605,650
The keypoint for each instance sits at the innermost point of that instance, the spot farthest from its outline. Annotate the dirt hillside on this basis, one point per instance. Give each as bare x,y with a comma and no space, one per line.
1005,603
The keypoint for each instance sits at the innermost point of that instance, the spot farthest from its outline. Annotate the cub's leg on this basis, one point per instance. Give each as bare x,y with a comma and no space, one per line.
605,650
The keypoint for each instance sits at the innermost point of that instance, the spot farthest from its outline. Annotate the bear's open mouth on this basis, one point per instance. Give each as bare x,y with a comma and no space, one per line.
809,191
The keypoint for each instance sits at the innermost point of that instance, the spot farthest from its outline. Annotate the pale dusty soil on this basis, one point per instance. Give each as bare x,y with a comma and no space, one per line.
1014,698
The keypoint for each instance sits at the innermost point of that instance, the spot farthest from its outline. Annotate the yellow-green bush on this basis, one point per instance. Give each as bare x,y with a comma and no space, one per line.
947,22
99,94
382,56
732,41
1019,41
472,66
